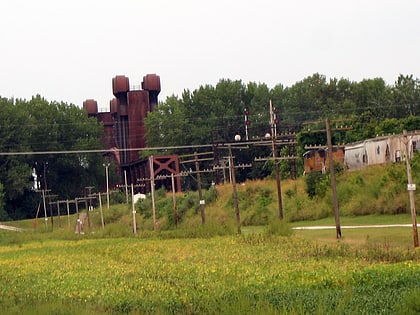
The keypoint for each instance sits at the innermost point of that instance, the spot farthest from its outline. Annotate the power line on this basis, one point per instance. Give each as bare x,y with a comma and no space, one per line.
222,145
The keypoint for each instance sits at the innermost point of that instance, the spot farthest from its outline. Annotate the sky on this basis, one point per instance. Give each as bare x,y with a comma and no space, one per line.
70,50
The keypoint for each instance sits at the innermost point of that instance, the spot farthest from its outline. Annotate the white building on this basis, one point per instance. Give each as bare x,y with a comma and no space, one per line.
380,150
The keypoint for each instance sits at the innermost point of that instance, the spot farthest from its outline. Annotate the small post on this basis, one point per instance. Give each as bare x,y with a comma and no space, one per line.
58,213
79,224
133,210
68,213
87,213
45,210
126,185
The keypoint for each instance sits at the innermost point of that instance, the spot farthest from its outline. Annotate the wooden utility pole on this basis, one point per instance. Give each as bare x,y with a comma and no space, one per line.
102,212
200,193
411,187
235,192
333,181
152,190
106,165
276,161
174,199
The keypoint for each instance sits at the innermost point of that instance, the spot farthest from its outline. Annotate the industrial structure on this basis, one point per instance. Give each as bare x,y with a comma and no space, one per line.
124,132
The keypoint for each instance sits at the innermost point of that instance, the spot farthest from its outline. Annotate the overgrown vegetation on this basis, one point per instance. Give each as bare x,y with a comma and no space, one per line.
193,268
374,190
256,273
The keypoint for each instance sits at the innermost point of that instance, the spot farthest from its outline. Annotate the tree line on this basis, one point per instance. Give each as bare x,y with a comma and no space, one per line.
36,126
212,113
209,114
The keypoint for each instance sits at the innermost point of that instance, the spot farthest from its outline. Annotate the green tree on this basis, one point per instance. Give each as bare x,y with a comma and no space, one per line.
374,96
37,126
406,96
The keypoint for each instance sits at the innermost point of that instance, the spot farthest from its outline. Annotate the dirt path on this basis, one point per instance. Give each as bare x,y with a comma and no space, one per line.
326,227
10,228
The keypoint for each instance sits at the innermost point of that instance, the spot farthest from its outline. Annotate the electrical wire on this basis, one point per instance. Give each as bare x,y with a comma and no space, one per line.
219,145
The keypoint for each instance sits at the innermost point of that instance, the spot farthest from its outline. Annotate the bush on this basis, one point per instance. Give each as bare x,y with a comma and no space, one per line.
316,184
207,230
279,227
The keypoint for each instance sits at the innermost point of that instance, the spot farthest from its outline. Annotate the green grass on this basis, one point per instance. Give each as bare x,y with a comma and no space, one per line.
211,269
359,220
395,236
252,273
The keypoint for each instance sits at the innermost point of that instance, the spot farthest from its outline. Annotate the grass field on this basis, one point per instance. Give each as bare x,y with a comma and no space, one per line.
211,269
254,272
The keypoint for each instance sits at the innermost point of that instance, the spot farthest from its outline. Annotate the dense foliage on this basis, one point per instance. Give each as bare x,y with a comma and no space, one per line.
38,126
216,113
213,114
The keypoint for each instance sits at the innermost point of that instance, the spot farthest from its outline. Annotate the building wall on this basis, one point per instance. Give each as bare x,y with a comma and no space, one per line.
318,161
379,150
138,107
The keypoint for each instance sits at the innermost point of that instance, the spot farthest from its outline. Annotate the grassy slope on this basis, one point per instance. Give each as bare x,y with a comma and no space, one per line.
374,195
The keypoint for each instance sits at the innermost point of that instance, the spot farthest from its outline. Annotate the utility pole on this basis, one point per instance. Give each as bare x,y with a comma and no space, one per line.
333,181
411,187
106,165
247,123
235,192
102,212
152,190
198,171
174,199
200,193
275,160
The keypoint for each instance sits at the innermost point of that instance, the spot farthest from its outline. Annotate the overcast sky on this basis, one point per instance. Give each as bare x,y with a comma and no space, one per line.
70,50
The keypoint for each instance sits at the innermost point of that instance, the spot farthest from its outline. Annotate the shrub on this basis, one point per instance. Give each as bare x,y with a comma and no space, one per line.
279,227
315,184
